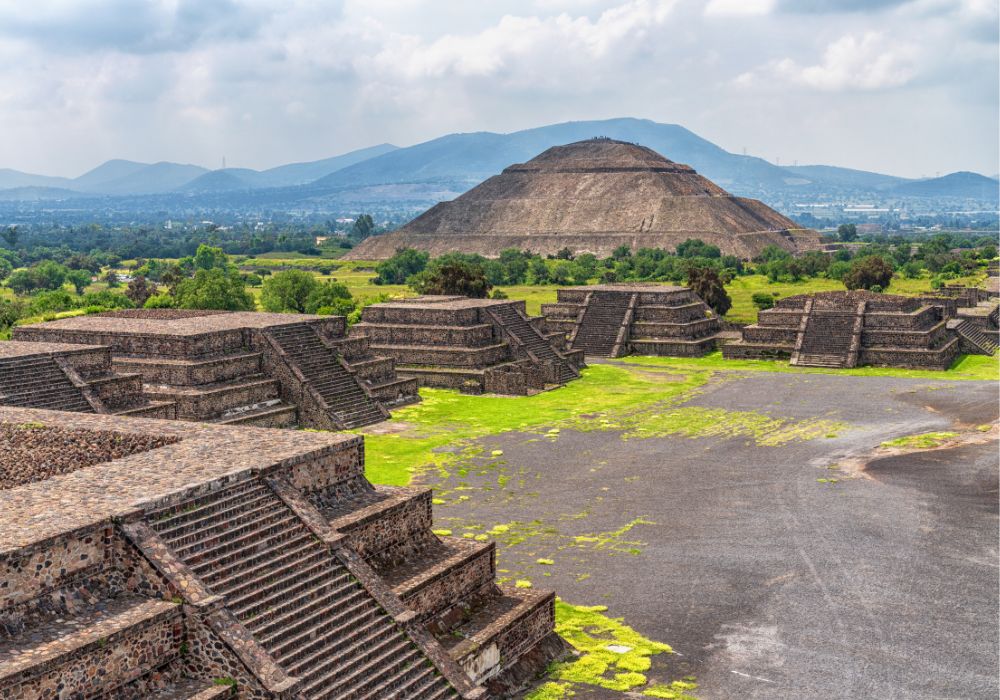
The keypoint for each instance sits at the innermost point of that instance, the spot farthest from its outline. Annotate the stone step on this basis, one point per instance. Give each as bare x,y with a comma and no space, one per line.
207,541
258,556
286,567
166,520
456,566
28,661
335,684
188,689
322,648
301,599
270,415
318,644
282,636
193,531
227,552
294,580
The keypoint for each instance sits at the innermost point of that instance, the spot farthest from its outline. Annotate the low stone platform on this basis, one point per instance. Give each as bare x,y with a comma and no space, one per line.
612,320
846,329
269,370
70,377
165,556
473,345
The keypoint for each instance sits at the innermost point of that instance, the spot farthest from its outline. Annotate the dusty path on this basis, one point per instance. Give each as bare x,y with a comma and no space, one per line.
768,582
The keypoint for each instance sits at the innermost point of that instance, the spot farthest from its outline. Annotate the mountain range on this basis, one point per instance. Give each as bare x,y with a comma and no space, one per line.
447,166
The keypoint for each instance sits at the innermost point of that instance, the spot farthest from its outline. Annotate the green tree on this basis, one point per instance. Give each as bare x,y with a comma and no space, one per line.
364,226
762,300
139,290
869,272
707,284
452,274
79,279
209,258
5,268
287,291
399,267
213,289
697,248
847,232
10,236
330,298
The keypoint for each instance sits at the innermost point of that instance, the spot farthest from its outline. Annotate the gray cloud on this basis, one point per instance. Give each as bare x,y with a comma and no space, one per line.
195,80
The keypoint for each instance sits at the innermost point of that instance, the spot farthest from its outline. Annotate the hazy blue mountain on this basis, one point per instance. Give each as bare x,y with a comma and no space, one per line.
226,180
470,158
844,177
152,179
302,173
39,194
112,170
15,178
963,184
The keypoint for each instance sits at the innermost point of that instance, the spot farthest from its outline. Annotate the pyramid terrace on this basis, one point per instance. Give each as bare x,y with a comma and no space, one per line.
261,561
612,320
474,345
271,370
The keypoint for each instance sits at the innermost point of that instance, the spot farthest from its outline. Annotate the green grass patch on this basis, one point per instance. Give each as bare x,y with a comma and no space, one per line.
922,441
441,426
966,367
621,668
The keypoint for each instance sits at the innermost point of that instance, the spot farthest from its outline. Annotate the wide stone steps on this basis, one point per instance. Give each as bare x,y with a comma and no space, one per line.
340,389
293,595
822,360
39,382
532,339
977,337
826,340
601,322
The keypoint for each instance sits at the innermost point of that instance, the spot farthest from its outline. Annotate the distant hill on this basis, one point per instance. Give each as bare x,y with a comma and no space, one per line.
38,194
470,158
152,179
15,178
964,185
302,173
417,176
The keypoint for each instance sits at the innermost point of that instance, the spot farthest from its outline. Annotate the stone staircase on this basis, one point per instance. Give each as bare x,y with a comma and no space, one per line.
519,327
38,382
297,600
348,401
975,335
827,340
601,322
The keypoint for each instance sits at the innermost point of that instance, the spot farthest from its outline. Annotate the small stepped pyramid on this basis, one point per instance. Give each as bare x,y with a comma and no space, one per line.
340,389
975,335
314,618
827,340
601,321
519,326
39,382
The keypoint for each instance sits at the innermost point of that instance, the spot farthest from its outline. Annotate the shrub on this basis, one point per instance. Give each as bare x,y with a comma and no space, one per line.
762,300
869,272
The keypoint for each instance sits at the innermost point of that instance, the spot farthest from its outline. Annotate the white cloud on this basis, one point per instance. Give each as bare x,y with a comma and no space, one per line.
739,8
871,61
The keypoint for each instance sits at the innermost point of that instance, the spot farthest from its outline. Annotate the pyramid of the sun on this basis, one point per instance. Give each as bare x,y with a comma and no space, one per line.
593,196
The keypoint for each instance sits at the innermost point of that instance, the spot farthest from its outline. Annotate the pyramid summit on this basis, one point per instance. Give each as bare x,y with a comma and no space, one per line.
593,196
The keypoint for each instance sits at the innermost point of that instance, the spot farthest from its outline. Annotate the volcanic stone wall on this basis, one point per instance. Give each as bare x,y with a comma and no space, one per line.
896,331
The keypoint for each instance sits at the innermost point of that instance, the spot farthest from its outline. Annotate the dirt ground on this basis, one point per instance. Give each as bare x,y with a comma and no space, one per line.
770,571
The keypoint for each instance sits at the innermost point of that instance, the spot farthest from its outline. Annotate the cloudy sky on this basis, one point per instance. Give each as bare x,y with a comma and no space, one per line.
904,87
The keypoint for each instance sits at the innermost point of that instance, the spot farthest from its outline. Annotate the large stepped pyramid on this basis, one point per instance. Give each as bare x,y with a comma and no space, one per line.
846,329
261,564
611,320
268,370
593,196
474,345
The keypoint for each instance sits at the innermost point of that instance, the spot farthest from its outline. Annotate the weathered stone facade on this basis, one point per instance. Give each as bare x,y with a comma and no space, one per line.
260,564
612,320
473,345
268,370
845,329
